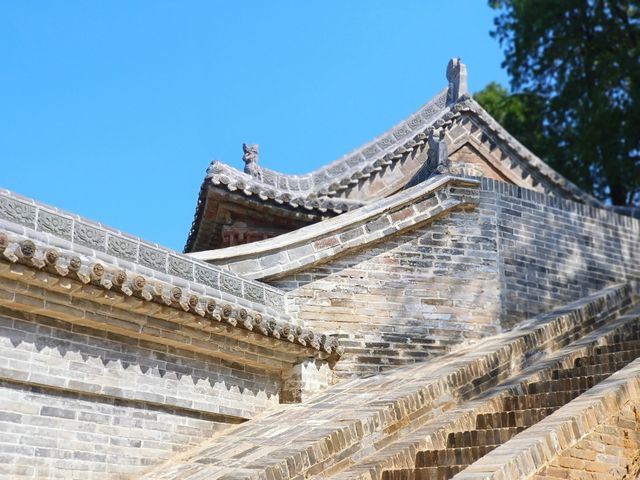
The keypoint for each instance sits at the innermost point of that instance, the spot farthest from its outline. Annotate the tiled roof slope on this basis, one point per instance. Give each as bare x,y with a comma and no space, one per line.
327,188
330,179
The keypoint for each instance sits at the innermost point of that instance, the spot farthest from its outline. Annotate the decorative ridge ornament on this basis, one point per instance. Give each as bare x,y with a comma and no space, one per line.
438,151
457,78
250,159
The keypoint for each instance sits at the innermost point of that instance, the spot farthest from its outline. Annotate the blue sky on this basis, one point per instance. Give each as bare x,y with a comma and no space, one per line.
113,110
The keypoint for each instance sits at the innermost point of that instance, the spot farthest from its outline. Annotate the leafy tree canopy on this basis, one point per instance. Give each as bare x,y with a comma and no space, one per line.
575,80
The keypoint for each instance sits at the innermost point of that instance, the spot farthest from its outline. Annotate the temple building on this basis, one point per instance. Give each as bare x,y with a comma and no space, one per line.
438,303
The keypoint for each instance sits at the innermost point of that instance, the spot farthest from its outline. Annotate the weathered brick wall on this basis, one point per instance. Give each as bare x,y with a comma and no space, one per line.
553,251
81,403
53,434
407,298
468,274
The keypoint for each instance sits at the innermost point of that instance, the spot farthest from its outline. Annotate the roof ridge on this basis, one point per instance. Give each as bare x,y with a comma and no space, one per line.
469,104
363,160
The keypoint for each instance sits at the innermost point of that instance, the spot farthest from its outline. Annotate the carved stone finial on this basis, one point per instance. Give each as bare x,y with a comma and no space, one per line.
457,78
438,152
250,159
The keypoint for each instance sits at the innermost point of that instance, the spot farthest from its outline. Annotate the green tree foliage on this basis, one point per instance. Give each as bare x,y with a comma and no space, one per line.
575,77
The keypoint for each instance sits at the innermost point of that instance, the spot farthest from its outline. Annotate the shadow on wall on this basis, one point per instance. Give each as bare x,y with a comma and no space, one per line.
464,276
56,353
551,254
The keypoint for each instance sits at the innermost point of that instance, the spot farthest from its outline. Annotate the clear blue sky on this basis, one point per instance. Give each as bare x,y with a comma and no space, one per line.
113,110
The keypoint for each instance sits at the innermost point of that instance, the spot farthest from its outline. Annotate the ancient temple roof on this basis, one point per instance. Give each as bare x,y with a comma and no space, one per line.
390,162
322,185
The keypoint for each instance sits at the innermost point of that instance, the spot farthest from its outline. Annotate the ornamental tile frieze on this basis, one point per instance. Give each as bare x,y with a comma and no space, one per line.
90,235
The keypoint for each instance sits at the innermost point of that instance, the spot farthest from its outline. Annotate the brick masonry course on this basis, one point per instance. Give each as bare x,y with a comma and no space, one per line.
555,436
470,273
353,419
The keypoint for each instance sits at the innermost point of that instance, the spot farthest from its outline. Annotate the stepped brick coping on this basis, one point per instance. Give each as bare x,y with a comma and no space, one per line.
355,229
532,449
45,268
349,420
60,229
401,453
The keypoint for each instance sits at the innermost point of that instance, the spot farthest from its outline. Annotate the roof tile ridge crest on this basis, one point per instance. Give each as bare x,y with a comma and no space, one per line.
436,107
441,95
335,224
220,173
27,216
59,262
470,104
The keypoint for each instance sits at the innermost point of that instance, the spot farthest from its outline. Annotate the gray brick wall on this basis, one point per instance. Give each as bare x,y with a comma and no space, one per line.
46,433
466,275
407,298
554,251
81,403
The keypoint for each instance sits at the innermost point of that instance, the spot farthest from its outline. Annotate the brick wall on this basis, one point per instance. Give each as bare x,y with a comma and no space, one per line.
467,274
81,403
47,433
407,298
553,251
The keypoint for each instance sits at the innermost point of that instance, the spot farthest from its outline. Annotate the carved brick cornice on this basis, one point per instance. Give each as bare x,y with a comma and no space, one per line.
32,263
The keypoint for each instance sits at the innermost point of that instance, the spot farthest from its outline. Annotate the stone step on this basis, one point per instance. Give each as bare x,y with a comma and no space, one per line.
565,384
588,370
540,400
617,357
478,438
452,456
630,345
423,473
513,418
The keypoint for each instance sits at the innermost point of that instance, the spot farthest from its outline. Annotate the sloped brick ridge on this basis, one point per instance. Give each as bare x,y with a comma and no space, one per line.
315,243
364,427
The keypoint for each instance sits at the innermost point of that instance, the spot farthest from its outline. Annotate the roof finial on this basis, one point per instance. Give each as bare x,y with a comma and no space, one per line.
250,159
438,151
457,77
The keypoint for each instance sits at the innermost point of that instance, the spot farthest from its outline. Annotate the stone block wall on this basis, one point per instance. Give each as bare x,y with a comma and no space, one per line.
77,402
408,297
